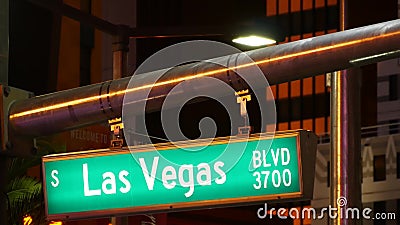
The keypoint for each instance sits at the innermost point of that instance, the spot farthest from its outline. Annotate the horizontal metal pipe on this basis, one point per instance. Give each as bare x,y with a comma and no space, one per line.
96,103
77,107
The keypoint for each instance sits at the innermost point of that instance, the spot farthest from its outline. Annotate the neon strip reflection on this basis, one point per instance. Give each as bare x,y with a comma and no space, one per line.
194,76
338,184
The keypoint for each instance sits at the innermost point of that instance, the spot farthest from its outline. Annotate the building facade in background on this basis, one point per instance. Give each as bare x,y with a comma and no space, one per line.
77,55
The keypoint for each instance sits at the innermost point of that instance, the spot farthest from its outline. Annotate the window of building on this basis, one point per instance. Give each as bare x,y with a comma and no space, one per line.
379,168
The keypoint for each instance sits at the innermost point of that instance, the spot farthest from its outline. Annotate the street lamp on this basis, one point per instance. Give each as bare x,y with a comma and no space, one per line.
259,32
254,41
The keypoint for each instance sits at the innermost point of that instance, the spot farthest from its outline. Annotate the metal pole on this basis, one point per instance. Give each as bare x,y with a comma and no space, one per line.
97,103
120,54
4,30
120,69
345,139
4,47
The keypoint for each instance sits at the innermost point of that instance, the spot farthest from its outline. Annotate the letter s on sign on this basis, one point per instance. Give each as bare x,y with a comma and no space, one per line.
55,182
218,169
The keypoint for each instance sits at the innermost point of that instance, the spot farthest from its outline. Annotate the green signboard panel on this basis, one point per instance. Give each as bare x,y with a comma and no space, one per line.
228,171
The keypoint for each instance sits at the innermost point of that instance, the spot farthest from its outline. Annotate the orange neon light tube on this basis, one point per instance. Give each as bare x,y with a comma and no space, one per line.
203,74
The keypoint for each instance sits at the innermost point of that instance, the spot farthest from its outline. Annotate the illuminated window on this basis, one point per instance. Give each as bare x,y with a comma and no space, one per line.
307,86
283,7
320,84
295,125
271,7
295,88
295,5
332,2
319,3
307,4
283,90
283,126
319,125
308,124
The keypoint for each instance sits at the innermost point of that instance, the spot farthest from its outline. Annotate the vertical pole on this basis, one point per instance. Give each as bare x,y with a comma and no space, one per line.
4,31
345,139
4,47
120,50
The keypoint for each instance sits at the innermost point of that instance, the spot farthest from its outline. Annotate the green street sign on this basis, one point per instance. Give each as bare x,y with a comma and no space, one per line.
231,170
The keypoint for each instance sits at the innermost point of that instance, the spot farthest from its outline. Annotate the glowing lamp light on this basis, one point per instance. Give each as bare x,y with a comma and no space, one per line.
254,41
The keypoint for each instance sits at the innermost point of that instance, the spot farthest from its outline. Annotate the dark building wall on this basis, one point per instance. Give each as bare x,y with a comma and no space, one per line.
160,14
305,103
220,15
30,45
367,12
362,13
300,104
